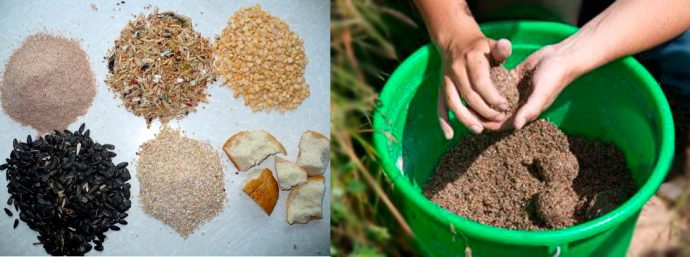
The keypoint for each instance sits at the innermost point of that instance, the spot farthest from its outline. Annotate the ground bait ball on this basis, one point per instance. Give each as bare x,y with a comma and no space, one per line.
47,83
66,187
160,67
181,180
262,60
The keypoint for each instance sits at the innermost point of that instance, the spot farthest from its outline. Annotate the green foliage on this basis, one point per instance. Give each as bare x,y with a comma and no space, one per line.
368,39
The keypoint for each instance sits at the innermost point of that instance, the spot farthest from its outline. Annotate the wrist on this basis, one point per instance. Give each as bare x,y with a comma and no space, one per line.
456,36
575,65
580,54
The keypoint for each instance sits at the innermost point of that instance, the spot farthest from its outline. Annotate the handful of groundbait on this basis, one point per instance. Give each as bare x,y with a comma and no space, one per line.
506,84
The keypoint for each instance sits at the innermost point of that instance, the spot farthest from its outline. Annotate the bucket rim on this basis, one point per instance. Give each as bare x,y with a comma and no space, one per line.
472,229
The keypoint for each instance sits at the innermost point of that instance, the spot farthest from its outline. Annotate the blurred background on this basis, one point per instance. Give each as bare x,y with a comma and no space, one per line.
369,39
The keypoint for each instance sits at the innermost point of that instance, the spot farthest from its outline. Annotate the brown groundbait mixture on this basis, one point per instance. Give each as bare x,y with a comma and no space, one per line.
47,83
532,179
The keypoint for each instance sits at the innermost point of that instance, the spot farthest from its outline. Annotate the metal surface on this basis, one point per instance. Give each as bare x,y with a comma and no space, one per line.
242,227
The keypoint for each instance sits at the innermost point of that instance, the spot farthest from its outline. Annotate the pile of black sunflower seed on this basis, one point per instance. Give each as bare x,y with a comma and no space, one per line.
66,187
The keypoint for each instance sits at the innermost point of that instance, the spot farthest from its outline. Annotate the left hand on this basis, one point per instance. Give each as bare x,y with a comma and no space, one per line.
550,70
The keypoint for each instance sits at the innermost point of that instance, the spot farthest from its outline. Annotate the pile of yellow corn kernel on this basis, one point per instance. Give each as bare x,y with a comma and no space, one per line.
260,59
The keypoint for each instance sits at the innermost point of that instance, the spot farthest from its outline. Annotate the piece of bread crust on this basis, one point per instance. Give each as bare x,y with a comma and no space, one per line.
262,187
247,149
314,151
304,201
289,174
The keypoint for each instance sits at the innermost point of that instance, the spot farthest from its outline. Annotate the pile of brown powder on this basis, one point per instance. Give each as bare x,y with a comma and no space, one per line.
534,178
47,83
506,84
181,180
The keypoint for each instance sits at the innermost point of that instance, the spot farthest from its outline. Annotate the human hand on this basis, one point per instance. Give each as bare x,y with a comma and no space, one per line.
466,73
549,70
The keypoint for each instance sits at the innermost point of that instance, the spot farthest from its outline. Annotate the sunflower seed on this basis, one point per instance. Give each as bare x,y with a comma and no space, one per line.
58,201
122,165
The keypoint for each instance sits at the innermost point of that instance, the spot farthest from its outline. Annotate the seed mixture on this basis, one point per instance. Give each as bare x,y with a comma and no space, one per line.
506,84
160,67
534,178
47,83
66,187
181,180
262,60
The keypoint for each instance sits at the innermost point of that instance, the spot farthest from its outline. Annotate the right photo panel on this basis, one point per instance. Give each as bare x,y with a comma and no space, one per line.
510,128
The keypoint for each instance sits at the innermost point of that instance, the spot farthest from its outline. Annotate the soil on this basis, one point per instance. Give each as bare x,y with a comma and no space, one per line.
506,84
534,178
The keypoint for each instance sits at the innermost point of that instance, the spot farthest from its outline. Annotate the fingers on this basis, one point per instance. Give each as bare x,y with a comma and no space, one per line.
543,94
501,50
526,65
442,113
499,125
526,114
459,77
480,79
452,98
531,62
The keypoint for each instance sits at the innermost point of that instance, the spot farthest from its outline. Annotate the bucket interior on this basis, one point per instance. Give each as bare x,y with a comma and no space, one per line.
619,103
606,105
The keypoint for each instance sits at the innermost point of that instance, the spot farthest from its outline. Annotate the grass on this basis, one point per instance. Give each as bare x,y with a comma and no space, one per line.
364,221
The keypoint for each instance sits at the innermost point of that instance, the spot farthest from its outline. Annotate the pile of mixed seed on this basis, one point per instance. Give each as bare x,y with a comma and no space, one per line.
160,66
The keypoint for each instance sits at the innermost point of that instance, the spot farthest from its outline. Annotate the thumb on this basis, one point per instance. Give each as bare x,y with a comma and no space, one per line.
534,105
501,50
526,65
529,112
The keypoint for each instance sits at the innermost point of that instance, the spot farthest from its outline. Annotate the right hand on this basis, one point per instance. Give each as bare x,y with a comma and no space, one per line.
466,65
551,69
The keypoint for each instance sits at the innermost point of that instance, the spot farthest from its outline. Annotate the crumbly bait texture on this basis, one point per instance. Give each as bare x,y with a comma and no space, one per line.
160,67
262,60
534,178
181,181
556,205
506,84
557,167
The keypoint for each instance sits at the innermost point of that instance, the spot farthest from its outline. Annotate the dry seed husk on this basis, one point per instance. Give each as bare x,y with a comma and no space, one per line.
70,198
160,67
181,180
262,60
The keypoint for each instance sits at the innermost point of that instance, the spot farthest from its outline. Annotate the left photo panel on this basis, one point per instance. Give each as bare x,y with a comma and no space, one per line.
165,127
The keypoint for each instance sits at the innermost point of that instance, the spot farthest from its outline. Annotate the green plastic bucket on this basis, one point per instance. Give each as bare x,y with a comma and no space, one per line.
619,103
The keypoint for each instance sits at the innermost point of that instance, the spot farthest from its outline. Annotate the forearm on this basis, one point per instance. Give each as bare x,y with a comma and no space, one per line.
448,20
626,27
